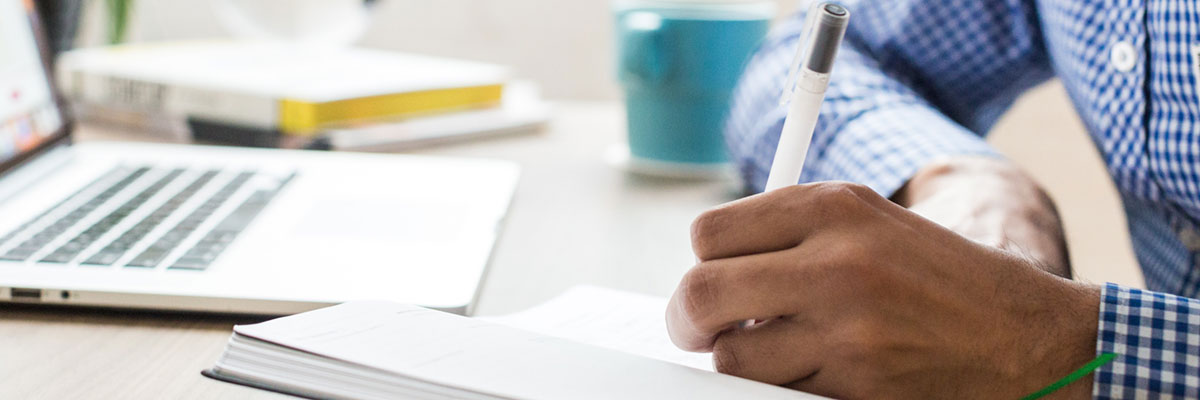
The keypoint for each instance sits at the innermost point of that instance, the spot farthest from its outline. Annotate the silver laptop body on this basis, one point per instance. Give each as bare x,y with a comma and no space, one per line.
220,229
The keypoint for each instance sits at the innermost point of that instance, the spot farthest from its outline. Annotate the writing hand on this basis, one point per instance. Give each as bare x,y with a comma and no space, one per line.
861,298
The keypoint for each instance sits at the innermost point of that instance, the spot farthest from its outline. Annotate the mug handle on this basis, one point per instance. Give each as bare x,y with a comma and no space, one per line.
641,57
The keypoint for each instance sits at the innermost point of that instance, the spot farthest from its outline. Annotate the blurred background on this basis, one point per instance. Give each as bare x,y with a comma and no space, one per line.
567,49
567,46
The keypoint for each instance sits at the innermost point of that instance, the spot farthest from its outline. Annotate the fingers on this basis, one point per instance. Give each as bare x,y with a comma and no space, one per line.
778,219
778,352
718,295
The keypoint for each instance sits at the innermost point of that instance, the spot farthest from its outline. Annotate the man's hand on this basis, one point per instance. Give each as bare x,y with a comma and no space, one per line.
858,297
990,201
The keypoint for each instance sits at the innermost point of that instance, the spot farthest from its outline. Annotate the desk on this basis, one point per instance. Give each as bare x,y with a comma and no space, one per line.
574,220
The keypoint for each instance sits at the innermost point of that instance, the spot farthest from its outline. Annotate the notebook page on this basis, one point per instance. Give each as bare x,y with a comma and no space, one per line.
630,322
493,359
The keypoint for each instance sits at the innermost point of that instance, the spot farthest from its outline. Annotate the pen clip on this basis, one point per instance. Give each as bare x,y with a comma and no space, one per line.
806,35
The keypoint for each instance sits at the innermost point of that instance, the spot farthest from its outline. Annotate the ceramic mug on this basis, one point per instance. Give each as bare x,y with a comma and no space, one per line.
678,63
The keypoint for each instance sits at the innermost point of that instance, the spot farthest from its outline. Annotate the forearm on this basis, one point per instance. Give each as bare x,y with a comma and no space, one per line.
992,201
875,128
885,126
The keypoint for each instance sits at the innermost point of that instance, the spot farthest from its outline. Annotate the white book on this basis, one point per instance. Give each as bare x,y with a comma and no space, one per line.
381,350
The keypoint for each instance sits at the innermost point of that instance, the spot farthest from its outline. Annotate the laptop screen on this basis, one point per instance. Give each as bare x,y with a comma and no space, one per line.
29,115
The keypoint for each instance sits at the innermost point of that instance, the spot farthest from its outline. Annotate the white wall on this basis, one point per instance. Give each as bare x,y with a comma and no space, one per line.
566,45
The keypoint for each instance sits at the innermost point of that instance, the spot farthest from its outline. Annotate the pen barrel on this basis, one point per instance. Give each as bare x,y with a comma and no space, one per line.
803,111
807,82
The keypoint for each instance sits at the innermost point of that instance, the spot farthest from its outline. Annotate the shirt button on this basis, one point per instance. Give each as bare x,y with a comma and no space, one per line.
1123,56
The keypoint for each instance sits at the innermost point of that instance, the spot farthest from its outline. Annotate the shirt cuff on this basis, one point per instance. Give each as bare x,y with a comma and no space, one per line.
1156,338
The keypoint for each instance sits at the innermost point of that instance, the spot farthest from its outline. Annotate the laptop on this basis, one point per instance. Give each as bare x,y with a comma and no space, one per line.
222,229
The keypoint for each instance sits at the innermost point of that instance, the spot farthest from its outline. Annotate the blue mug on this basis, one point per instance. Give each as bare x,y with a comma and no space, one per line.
678,62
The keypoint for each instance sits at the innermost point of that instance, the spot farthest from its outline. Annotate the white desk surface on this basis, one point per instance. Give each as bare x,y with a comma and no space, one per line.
575,219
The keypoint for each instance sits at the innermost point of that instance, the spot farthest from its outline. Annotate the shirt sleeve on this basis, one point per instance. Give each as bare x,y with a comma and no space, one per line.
915,81
1156,338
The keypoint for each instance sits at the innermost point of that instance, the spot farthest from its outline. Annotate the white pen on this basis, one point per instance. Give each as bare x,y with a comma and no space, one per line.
805,90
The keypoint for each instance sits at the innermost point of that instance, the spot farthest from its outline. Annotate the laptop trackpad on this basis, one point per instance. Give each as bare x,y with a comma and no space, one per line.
378,219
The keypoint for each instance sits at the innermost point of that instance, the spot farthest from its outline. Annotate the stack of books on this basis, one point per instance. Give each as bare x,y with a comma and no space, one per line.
276,94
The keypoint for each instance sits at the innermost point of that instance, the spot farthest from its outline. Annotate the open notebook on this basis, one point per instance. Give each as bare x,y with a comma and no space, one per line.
589,343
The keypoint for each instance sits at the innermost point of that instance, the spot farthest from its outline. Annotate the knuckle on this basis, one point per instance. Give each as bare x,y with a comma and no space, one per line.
838,194
855,256
860,190
793,191
699,293
865,342
849,192
842,262
705,231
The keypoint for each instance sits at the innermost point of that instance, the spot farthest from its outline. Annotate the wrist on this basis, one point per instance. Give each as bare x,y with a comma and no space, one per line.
936,177
1067,341
987,185
993,202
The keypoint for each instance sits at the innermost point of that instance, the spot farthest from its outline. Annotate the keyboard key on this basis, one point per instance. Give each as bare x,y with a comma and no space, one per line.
16,255
58,258
103,258
190,264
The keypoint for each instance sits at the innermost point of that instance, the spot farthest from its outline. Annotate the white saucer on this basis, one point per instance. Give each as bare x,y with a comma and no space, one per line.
618,156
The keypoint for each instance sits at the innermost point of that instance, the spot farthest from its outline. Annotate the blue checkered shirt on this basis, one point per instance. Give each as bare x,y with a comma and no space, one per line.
922,80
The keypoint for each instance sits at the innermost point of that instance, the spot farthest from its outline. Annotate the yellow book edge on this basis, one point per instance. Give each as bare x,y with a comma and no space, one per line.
304,118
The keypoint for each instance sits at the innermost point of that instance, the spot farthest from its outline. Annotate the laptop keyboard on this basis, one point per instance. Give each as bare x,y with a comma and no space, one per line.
111,253
71,249
214,242
155,254
35,243
158,236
